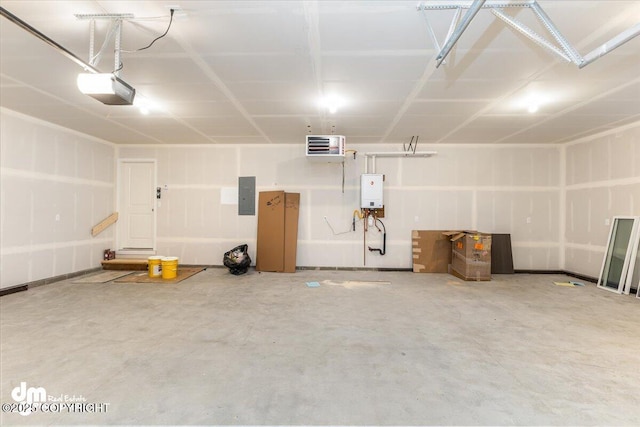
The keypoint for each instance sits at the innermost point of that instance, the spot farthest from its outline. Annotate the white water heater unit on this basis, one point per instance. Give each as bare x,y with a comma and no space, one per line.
371,191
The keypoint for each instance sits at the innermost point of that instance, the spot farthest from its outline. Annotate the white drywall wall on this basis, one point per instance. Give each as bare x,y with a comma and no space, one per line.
602,181
492,188
552,199
55,184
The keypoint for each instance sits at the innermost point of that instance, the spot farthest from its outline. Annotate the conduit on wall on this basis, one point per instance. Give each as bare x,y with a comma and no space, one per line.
375,154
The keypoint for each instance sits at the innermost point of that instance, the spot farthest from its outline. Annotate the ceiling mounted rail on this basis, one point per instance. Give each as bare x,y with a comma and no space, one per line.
439,5
64,51
607,47
105,87
565,50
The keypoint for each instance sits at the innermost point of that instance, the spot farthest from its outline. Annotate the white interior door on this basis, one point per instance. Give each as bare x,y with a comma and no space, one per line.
136,204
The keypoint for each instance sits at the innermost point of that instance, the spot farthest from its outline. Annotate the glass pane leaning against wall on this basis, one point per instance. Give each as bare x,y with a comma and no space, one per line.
622,240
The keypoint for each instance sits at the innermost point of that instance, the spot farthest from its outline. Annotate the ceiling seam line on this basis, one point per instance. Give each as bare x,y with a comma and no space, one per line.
585,41
573,107
206,69
67,103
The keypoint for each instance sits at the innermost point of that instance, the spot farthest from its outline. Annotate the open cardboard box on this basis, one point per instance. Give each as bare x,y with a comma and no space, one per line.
470,254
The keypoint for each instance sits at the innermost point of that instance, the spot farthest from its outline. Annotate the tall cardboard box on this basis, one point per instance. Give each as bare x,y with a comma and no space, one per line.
277,244
470,255
291,214
431,251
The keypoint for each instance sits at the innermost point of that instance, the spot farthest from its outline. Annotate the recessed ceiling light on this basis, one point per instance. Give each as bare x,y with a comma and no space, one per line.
145,105
532,100
332,103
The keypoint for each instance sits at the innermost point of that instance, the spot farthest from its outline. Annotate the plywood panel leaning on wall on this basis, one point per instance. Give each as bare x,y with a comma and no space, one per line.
431,251
277,242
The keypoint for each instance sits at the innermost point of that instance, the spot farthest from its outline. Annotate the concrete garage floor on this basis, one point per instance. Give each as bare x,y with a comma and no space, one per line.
265,349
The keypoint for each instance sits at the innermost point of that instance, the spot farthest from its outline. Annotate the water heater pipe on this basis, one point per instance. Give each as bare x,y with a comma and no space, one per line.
375,154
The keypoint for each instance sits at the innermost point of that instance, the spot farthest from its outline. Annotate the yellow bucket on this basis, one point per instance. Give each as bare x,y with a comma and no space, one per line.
155,267
169,267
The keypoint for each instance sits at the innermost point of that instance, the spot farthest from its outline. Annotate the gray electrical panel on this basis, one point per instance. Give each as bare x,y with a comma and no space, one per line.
246,195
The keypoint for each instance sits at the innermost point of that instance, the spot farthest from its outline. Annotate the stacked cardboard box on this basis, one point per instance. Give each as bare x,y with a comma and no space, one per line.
277,231
470,255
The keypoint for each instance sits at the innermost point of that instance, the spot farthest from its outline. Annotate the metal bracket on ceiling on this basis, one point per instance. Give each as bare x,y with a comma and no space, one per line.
529,33
566,51
115,32
454,23
555,32
607,47
462,25
465,4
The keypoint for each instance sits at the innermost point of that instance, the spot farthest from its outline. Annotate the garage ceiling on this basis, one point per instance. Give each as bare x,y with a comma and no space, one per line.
253,72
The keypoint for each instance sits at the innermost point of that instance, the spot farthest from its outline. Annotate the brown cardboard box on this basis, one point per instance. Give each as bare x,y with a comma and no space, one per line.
291,214
277,231
470,255
431,251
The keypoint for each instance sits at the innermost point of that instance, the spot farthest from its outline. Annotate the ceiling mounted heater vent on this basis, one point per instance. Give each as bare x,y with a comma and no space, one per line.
325,147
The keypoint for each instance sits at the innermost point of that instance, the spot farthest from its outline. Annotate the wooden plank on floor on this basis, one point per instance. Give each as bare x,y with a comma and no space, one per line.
125,264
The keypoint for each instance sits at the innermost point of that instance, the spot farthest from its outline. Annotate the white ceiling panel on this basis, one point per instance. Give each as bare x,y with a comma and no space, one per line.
289,127
281,108
372,68
163,129
490,129
438,108
429,128
223,126
360,93
172,93
147,71
465,89
253,71
274,91
397,25
214,27
189,108
258,67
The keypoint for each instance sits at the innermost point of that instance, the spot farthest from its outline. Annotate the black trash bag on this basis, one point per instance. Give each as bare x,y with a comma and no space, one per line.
237,260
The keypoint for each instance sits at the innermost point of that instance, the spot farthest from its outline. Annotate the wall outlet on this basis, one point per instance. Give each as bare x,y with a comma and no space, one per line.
57,217
606,221
416,218
528,220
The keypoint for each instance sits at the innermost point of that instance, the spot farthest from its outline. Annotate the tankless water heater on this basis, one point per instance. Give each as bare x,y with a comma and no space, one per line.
371,191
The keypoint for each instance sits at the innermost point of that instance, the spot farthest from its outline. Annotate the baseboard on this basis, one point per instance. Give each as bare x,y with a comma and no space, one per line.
47,281
539,271
352,268
581,277
567,273
13,290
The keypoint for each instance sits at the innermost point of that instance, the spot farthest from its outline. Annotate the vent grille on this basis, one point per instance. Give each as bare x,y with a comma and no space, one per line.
325,145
